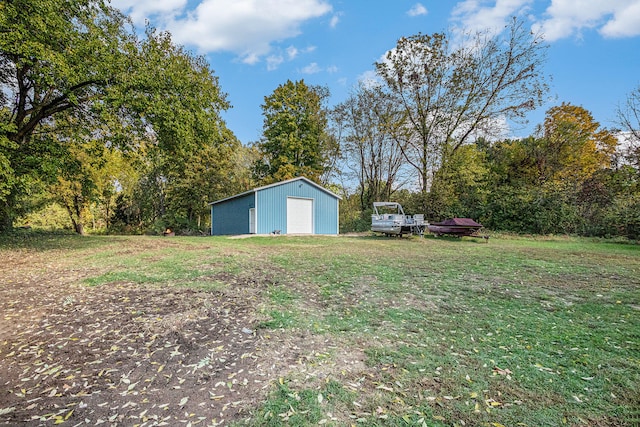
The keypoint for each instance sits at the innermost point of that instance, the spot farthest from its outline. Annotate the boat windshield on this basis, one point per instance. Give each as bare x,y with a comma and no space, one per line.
387,207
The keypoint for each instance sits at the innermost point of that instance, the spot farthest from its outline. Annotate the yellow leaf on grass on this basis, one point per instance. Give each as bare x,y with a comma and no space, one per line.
497,425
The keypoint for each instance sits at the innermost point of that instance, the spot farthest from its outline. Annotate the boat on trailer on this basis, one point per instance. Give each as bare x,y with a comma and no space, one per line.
455,227
389,218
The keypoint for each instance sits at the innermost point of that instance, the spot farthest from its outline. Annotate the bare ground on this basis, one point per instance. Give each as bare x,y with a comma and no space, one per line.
127,354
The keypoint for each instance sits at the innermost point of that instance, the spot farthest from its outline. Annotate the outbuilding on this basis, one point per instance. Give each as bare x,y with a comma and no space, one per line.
295,206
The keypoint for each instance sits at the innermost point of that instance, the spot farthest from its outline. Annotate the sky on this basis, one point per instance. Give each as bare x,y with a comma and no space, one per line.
254,46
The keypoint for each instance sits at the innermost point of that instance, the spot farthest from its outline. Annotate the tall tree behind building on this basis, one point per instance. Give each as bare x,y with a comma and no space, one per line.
295,138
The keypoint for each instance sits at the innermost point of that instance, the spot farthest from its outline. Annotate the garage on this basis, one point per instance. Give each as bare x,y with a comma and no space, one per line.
295,206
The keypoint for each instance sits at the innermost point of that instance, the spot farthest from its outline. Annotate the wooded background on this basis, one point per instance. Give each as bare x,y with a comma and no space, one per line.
104,130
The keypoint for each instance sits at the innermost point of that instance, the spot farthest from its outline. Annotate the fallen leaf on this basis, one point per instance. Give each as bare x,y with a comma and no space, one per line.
502,371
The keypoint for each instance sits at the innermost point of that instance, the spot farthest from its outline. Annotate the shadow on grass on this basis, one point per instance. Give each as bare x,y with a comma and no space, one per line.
44,240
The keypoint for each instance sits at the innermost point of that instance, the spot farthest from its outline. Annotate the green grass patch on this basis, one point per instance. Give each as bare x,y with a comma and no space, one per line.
295,407
516,331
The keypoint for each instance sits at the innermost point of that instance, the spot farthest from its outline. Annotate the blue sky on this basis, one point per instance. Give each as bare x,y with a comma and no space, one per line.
253,46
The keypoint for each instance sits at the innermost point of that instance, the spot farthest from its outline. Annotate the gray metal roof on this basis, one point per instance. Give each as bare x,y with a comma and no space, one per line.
300,178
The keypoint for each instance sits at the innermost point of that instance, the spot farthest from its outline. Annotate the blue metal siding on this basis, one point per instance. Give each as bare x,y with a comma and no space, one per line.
272,207
232,216
325,214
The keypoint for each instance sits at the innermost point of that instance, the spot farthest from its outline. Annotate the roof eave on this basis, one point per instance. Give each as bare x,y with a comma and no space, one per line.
275,184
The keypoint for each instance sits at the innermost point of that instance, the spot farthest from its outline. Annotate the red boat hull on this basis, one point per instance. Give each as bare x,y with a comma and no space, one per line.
455,227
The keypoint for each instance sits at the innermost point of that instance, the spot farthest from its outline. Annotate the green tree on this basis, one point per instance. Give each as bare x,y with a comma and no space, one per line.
77,185
295,138
79,61
573,146
54,57
555,182
205,175
175,109
460,188
452,92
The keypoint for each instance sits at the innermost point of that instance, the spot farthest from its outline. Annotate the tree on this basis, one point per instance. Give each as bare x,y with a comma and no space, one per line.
573,147
54,57
460,187
451,92
79,61
629,120
77,185
556,182
174,107
295,139
205,175
368,121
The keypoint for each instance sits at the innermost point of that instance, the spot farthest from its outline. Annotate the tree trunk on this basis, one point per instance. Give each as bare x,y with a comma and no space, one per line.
75,216
71,217
6,220
79,228
7,214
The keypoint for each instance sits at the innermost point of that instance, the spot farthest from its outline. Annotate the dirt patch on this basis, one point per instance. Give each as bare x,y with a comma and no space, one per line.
127,354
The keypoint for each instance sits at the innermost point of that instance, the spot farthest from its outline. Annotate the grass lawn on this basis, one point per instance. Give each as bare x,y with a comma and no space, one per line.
426,332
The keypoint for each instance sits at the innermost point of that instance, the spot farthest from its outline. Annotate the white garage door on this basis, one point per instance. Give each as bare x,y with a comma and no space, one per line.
299,216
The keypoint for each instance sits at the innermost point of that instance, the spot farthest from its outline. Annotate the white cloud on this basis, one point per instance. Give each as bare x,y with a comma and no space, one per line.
561,19
279,56
625,21
245,27
612,18
273,61
335,19
292,52
139,10
417,10
476,15
312,68
369,79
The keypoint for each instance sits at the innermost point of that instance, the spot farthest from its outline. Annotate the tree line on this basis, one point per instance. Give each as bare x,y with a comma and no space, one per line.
109,131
